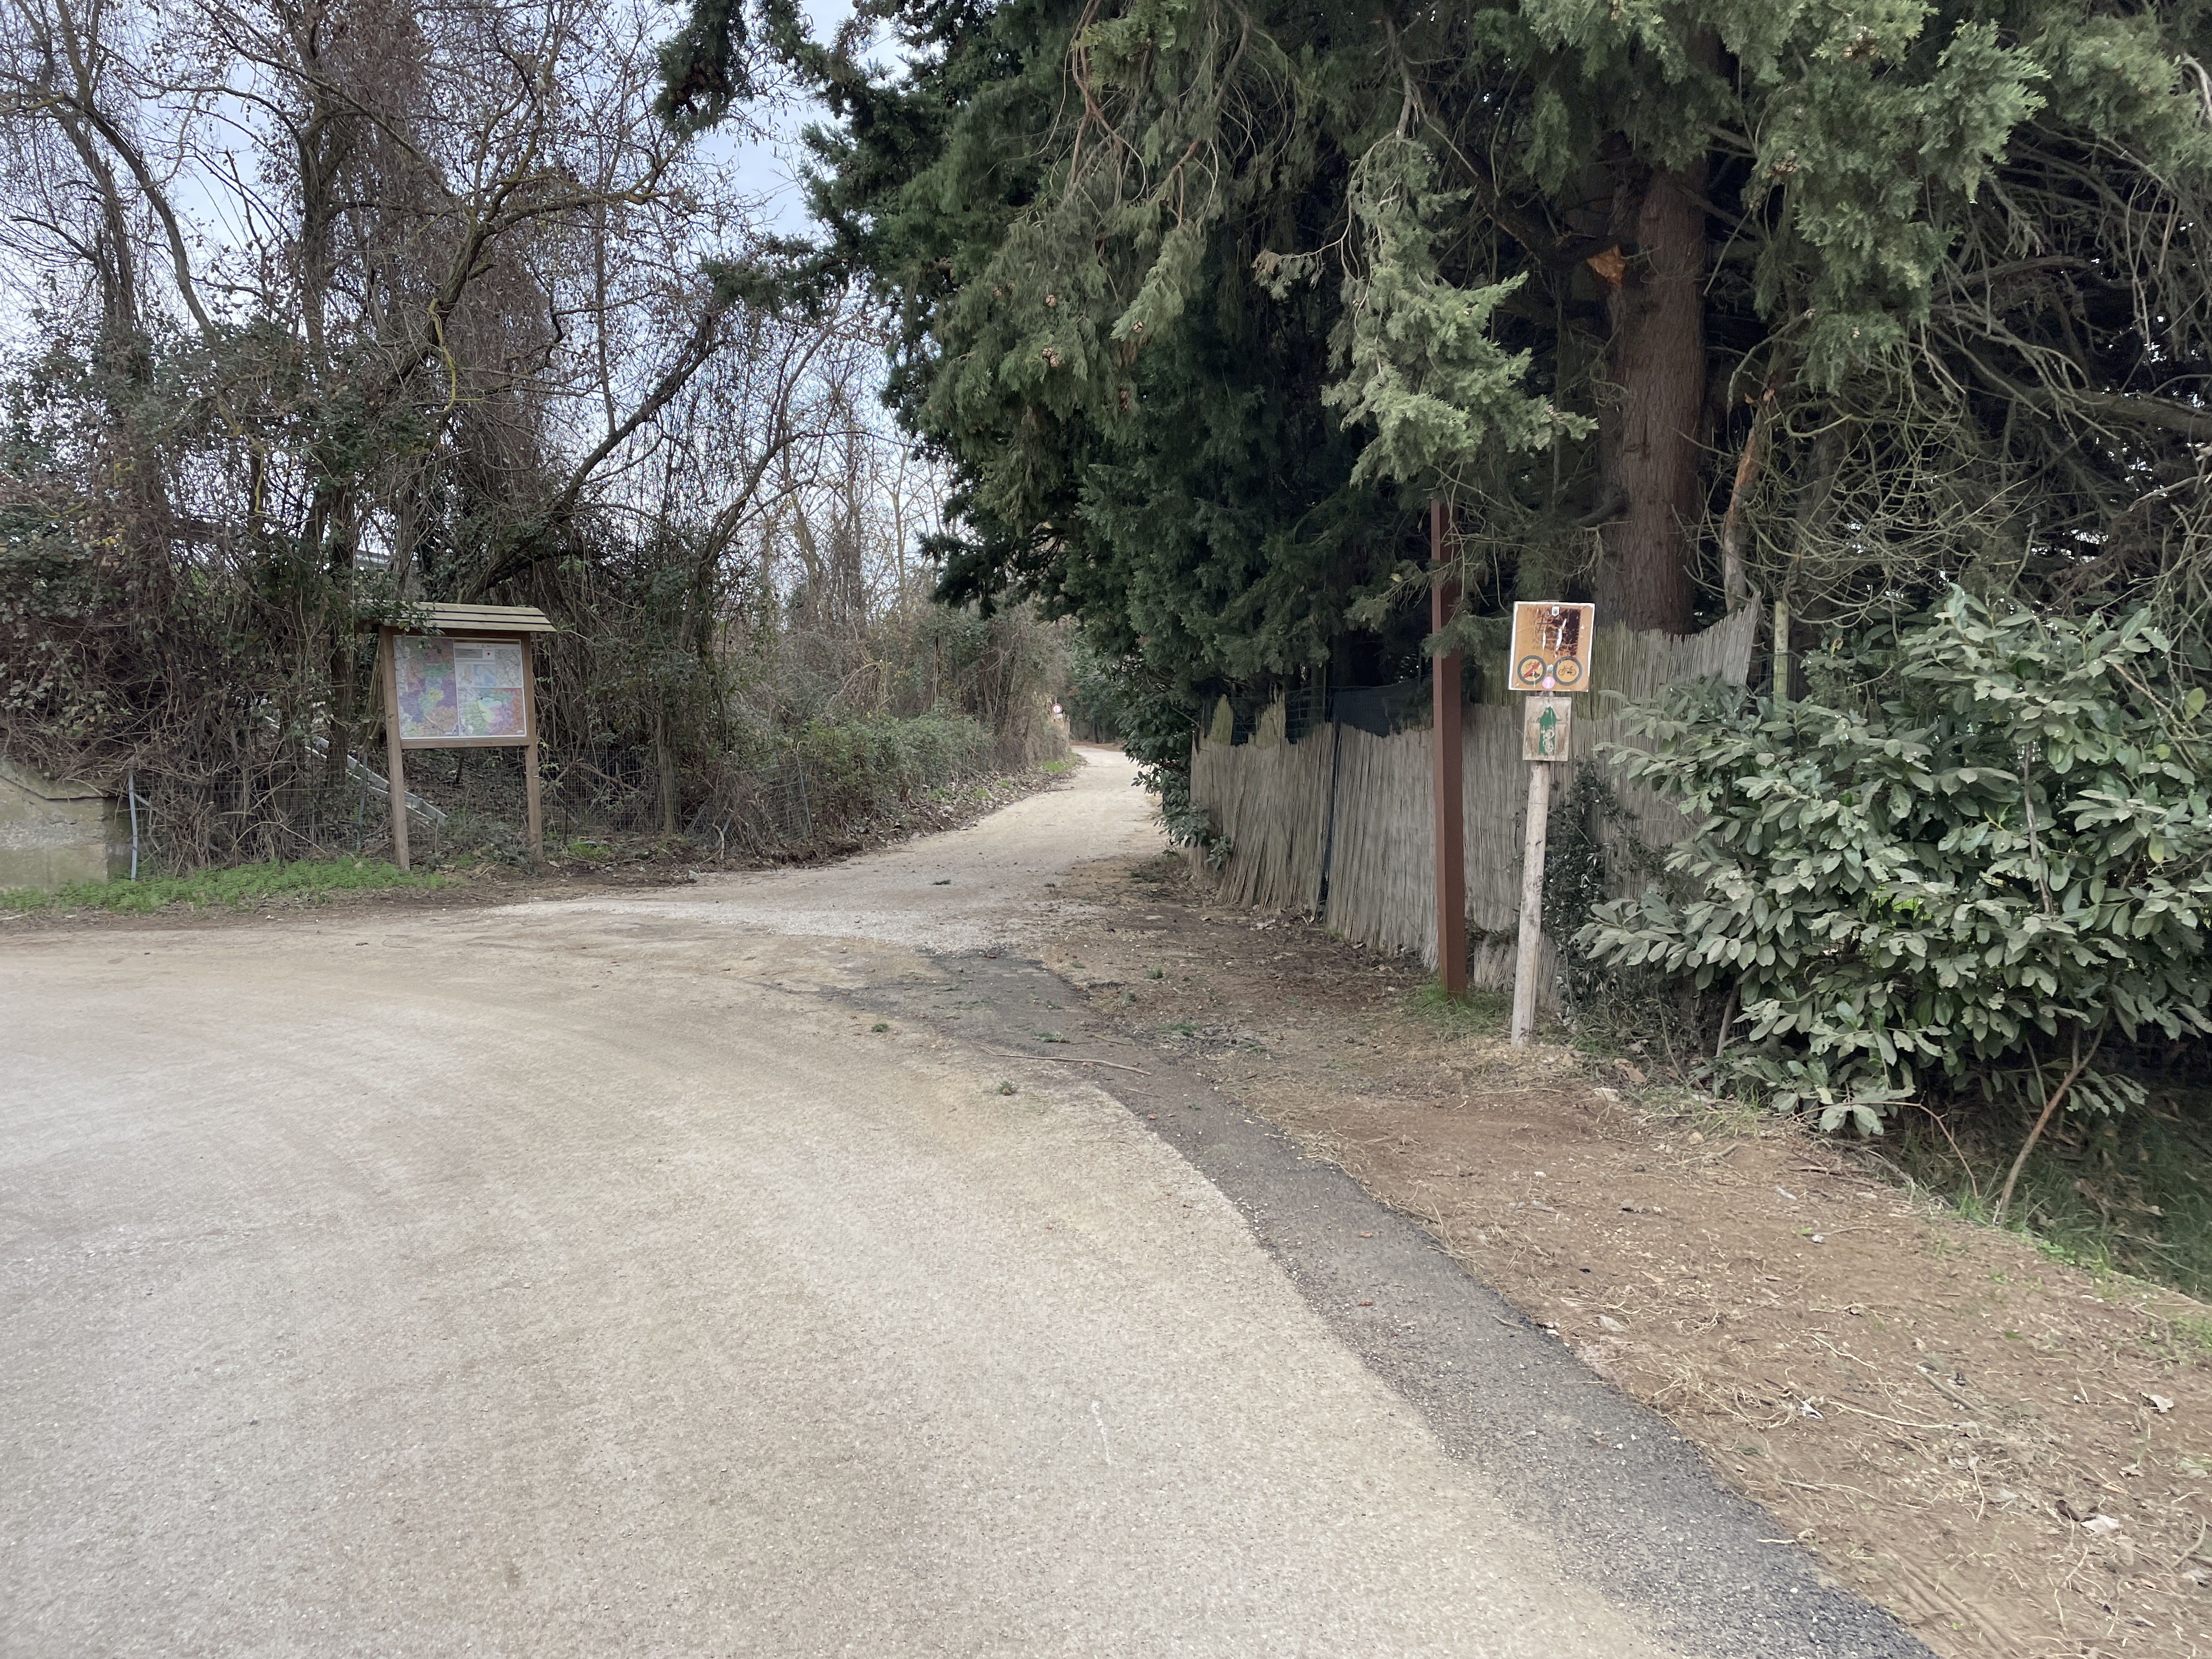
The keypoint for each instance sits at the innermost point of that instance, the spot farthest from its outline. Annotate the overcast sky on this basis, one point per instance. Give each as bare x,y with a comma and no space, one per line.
766,167
770,167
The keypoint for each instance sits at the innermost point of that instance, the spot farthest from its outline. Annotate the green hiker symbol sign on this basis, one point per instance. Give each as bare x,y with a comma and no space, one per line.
1546,727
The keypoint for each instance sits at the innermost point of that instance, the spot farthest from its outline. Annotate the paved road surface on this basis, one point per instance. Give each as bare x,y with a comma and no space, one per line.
588,1279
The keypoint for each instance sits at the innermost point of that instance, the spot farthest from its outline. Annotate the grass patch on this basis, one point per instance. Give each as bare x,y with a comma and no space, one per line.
2192,1332
308,881
2129,1194
1481,1013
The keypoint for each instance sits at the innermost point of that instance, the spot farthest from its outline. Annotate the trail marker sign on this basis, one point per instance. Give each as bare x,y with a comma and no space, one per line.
1547,726
1551,658
1551,647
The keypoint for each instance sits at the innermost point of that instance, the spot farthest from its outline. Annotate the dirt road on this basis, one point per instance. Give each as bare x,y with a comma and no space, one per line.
598,1277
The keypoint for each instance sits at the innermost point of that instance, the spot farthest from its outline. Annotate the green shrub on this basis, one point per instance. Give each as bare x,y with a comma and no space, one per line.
1976,861
860,768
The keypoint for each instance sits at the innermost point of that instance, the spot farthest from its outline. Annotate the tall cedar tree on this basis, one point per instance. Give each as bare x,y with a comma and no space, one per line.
1676,303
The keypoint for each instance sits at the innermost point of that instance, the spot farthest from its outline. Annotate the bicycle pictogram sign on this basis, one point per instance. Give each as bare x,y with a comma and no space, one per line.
1550,646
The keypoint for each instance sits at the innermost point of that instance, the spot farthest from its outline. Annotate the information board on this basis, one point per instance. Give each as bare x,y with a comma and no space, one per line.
1552,646
459,689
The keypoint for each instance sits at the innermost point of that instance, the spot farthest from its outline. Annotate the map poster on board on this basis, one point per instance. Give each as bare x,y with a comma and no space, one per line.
459,689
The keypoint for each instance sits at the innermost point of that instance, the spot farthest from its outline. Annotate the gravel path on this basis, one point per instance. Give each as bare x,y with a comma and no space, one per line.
590,1278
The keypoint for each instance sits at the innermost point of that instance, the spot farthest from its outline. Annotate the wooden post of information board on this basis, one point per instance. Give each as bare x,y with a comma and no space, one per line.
1447,769
530,754
395,757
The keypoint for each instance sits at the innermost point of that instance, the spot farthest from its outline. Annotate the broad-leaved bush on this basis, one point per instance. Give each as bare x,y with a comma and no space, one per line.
1984,851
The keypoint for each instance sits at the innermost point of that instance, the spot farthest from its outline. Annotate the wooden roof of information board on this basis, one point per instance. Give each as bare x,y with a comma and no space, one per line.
488,618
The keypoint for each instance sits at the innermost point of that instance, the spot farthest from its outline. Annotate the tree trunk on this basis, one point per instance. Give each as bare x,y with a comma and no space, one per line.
670,807
1650,427
331,514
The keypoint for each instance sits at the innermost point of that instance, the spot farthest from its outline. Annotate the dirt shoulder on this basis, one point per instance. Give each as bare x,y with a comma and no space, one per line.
2013,1456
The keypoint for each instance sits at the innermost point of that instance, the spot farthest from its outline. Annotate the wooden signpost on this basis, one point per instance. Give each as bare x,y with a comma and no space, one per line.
470,684
1551,658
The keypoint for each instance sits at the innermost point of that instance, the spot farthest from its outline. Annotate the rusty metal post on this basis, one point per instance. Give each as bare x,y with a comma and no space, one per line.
1448,769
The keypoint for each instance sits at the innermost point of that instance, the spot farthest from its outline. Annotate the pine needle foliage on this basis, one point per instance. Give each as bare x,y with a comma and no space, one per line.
1204,301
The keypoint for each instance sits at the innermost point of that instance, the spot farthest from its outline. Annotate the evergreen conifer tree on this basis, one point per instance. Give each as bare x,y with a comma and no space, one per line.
1674,302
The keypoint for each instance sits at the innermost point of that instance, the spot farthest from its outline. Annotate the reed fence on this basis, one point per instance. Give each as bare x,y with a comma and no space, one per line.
1339,825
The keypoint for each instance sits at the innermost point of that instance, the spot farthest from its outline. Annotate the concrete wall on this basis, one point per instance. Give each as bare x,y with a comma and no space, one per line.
53,834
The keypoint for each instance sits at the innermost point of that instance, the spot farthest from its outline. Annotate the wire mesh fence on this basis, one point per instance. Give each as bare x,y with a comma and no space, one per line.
475,799
758,810
827,782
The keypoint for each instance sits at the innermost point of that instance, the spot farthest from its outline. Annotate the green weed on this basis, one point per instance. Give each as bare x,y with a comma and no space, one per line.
1480,1013
2192,1331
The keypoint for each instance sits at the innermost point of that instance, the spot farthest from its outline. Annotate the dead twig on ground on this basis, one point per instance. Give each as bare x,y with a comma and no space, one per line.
1068,1060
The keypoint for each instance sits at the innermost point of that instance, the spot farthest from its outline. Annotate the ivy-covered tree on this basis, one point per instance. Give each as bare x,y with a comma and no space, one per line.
1674,302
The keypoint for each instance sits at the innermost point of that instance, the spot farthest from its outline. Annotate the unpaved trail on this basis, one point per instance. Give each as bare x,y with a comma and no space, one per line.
991,884
592,1277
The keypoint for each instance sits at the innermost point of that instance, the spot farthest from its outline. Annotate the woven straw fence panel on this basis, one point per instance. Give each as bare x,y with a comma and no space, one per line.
1278,792
1272,799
